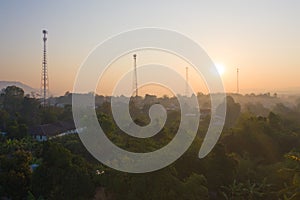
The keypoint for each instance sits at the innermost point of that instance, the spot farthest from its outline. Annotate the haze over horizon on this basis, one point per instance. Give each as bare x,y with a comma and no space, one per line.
261,38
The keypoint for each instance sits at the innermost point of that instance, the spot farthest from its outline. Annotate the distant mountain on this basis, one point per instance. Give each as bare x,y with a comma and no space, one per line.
27,89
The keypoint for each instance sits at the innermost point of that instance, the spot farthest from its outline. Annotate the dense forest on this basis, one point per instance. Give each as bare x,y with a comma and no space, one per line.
257,156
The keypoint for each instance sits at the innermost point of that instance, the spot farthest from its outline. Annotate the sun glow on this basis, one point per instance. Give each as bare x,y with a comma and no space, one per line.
220,67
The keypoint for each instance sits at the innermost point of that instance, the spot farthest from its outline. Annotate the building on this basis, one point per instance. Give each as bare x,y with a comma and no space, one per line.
47,131
3,133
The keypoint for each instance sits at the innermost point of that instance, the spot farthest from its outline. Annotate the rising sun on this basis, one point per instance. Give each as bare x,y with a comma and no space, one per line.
220,67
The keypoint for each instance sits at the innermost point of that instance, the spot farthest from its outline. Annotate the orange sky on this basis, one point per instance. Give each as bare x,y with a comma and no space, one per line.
261,38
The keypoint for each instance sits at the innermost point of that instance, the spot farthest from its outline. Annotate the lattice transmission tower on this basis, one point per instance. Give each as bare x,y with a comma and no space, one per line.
44,77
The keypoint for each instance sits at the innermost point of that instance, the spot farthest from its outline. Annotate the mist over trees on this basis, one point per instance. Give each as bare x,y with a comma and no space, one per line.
257,156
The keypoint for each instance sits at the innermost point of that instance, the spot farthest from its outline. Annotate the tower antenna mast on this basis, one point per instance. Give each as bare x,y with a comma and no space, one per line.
187,81
135,84
237,81
44,81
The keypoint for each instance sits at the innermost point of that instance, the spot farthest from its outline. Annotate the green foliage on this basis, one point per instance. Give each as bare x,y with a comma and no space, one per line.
163,183
248,190
220,168
233,111
291,190
17,130
4,118
257,156
106,123
194,187
15,175
18,112
13,99
30,112
30,196
253,136
257,109
62,175
25,144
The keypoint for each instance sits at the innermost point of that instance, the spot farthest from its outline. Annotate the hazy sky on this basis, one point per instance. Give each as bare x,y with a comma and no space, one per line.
260,37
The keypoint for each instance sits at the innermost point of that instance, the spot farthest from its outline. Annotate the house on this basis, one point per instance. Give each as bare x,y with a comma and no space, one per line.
33,167
3,133
47,131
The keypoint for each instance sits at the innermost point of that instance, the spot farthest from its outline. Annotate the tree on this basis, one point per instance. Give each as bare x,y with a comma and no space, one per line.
195,188
62,175
15,174
257,109
13,99
274,120
30,112
248,190
4,117
49,115
16,130
220,168
292,168
164,185
233,112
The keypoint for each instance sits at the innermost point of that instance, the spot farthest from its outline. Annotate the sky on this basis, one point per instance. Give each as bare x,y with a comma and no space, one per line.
260,37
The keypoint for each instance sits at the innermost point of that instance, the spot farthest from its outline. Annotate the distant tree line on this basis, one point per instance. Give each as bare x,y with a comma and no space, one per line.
257,156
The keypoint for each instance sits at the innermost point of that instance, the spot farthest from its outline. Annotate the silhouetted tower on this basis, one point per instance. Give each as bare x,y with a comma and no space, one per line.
44,80
135,84
187,81
237,81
